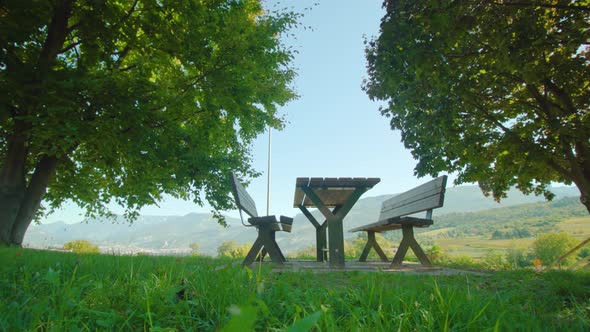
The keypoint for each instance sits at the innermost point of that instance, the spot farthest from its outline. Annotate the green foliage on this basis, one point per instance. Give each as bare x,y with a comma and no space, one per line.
434,253
584,252
515,233
232,249
509,222
135,99
65,292
549,247
495,91
82,247
518,258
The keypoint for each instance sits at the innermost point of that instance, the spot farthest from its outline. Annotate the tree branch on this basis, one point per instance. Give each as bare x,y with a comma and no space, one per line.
56,34
63,50
561,95
543,5
127,15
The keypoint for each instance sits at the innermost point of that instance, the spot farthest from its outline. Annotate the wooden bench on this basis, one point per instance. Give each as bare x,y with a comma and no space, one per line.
395,214
267,226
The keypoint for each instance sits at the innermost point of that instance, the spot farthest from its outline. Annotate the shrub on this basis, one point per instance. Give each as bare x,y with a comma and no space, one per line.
518,258
549,247
496,261
232,249
435,253
82,247
584,252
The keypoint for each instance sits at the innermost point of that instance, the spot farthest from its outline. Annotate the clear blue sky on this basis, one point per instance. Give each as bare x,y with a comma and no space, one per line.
333,129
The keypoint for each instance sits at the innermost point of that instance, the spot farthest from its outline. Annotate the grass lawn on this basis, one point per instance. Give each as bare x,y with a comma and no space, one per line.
50,291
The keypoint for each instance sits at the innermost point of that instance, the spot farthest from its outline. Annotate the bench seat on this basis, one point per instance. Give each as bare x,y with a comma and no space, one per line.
282,224
394,223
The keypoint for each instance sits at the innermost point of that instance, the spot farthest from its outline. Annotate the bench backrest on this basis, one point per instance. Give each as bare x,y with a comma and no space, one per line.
425,197
243,199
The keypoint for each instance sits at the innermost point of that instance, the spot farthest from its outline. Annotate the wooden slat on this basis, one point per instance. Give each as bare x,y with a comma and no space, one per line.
243,200
316,182
299,194
391,224
424,190
399,201
330,198
422,198
412,207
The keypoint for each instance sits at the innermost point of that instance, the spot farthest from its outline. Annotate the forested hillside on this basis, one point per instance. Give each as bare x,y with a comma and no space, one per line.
511,222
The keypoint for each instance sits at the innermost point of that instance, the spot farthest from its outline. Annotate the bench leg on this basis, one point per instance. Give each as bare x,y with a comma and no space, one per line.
251,256
271,246
276,245
372,244
265,244
408,241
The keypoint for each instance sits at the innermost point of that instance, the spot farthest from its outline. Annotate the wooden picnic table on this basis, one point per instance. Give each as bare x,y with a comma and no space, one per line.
333,197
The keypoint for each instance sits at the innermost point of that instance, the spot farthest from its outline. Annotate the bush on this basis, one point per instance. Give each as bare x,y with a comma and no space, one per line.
549,247
584,252
435,253
496,261
82,247
518,258
232,249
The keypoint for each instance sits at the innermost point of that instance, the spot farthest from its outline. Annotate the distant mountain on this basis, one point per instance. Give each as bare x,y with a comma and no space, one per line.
175,233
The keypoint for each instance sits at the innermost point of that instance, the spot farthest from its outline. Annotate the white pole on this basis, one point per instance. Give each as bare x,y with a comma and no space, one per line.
268,176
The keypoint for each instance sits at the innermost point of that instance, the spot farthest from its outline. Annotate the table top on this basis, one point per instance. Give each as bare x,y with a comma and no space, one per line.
332,191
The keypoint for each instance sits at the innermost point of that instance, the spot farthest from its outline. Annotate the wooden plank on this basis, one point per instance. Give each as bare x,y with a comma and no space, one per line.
330,182
424,197
299,194
387,225
316,182
398,201
413,207
424,190
243,200
298,198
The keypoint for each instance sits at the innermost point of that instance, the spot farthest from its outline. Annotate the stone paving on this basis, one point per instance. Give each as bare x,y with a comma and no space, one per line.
369,266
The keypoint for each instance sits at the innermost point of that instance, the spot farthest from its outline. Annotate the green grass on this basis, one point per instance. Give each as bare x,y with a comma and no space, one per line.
49,291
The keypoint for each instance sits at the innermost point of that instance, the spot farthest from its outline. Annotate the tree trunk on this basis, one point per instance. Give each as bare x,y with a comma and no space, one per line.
31,202
12,182
585,199
10,199
19,202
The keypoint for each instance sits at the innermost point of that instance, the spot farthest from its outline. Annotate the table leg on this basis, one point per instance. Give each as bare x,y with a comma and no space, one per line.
336,243
320,233
334,219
